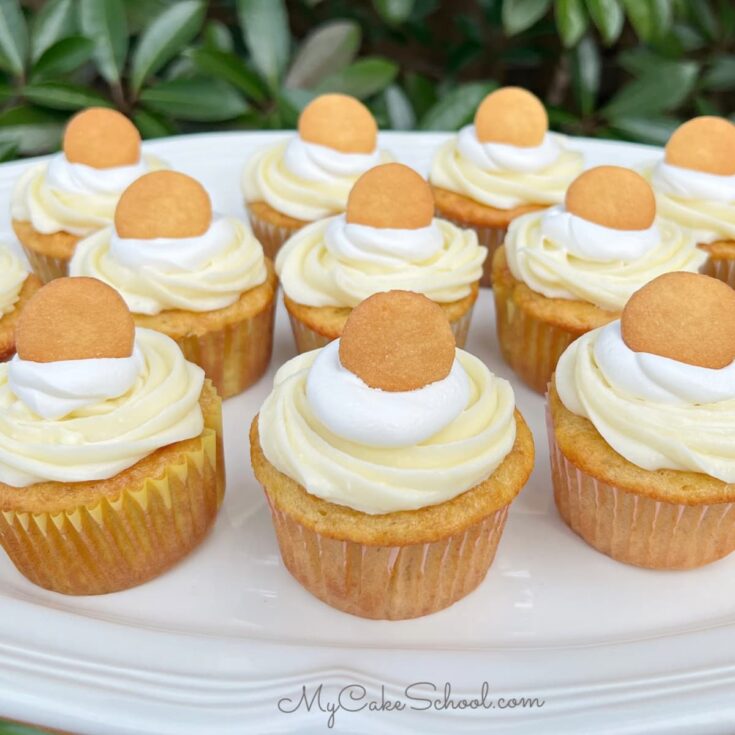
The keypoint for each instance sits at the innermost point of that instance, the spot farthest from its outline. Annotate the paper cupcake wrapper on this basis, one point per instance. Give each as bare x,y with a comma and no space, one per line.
530,346
118,543
45,267
235,356
634,528
491,237
270,236
388,582
720,268
307,339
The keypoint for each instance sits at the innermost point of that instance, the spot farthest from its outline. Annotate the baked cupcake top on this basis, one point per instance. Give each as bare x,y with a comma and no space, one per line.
507,157
426,421
309,176
77,189
88,395
602,244
13,273
659,384
387,239
167,250
695,179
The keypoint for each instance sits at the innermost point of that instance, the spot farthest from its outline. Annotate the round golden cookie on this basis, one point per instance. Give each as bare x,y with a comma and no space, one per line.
340,122
397,341
511,115
688,317
163,204
614,197
391,195
74,319
101,138
704,144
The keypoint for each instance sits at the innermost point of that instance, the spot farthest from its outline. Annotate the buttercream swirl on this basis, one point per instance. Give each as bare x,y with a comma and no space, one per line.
201,273
60,196
700,201
334,263
98,441
593,263
505,176
303,180
13,274
656,412
378,480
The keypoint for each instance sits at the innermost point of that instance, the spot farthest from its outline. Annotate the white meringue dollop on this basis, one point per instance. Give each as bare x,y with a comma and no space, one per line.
372,417
690,184
78,178
315,162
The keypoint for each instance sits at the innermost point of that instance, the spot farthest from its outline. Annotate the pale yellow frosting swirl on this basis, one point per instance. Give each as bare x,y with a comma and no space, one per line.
99,441
504,189
378,480
266,177
313,275
13,274
554,270
52,209
198,274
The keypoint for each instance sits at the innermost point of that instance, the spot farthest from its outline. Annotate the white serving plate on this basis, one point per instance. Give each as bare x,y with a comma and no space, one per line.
212,646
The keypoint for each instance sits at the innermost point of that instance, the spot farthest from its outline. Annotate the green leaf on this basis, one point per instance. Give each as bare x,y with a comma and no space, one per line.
292,101
705,18
230,68
164,38
326,50
655,130
217,36
400,112
705,106
54,21
571,20
198,100
660,89
13,728
363,78
586,74
721,74
421,91
394,12
141,13
518,15
63,57
103,22
651,19
13,37
608,16
152,125
264,26
63,96
456,108
32,130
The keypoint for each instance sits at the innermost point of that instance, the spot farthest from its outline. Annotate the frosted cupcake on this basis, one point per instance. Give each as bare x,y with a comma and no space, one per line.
641,422
198,277
572,268
58,202
695,186
309,176
111,461
17,286
392,509
505,164
387,239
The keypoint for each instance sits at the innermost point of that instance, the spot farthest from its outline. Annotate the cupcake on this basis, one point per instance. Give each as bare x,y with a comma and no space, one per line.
198,277
309,176
58,202
111,464
392,509
388,239
695,186
570,269
641,416
16,288
505,164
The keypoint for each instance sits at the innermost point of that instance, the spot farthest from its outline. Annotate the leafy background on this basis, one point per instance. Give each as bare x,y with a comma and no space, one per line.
630,69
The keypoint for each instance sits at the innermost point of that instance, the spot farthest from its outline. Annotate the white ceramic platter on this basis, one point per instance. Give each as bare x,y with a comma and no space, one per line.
211,647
